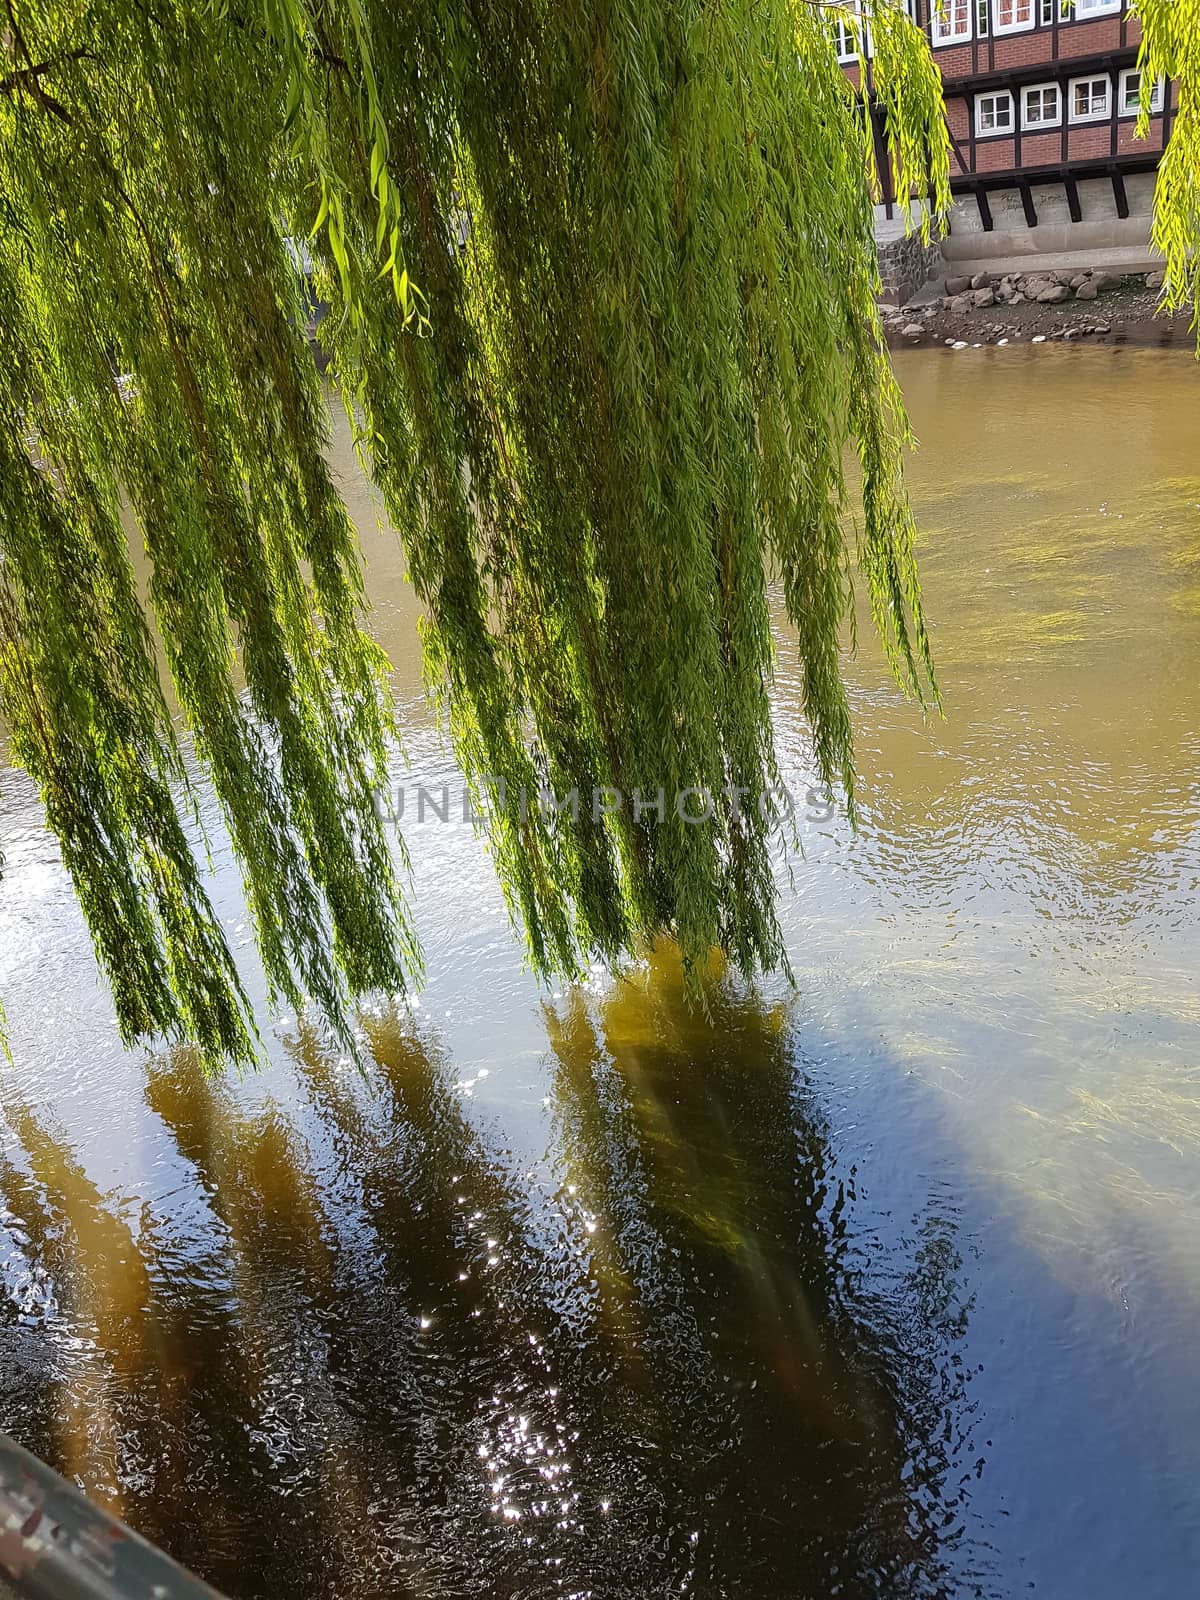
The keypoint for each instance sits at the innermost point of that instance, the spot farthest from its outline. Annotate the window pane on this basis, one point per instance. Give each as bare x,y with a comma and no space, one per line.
1041,104
951,19
1089,100
1130,94
994,113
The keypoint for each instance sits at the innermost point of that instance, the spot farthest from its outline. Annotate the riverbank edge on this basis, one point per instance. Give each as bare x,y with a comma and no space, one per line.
1127,314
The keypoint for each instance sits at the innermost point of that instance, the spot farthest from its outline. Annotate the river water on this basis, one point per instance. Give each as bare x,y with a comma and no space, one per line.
889,1286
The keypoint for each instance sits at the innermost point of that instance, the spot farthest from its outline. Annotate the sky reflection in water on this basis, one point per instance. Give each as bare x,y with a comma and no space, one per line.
890,1288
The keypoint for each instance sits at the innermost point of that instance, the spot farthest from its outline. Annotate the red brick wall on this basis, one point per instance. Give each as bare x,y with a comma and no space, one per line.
994,155
1129,146
956,60
1041,149
1088,142
1004,52
1094,38
1018,50
958,118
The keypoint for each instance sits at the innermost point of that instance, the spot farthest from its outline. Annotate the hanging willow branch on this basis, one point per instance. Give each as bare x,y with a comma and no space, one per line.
645,331
1171,50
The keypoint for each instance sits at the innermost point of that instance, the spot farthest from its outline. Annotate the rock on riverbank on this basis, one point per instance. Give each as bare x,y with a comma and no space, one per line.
1041,306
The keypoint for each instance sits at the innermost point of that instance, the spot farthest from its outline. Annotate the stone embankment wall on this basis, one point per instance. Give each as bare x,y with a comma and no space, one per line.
905,264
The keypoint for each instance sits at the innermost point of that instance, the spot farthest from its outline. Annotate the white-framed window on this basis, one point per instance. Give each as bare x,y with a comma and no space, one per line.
951,21
1129,94
1041,105
983,19
843,32
993,113
1079,10
1013,16
1089,99
843,38
1047,12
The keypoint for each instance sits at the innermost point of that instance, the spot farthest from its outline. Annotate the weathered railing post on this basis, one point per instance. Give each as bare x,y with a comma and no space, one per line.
56,1545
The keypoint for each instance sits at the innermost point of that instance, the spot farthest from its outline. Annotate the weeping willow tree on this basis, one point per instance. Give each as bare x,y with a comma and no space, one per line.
603,283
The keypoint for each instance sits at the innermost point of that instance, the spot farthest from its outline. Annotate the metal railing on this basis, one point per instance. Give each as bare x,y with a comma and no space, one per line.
56,1545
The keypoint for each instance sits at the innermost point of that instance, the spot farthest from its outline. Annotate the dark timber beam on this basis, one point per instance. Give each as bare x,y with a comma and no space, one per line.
1119,195
966,182
1034,71
1027,201
1072,189
985,210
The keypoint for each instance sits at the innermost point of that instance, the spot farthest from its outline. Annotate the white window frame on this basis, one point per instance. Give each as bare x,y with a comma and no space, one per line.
983,18
941,22
1092,116
1001,28
995,133
847,50
1043,122
1085,10
1157,94
1046,10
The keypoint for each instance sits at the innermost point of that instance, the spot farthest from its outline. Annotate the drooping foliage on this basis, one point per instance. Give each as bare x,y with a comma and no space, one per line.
1170,52
602,284
151,345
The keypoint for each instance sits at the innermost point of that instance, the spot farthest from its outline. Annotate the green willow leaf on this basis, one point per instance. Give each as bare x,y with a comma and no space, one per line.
1171,50
644,339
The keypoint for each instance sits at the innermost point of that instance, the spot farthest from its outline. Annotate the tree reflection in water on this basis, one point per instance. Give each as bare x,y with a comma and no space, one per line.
353,1350
802,1423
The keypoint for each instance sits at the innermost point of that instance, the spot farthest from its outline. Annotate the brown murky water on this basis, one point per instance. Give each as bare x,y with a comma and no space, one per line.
887,1288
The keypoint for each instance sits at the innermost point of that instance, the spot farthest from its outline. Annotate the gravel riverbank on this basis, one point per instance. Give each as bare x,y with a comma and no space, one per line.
1040,307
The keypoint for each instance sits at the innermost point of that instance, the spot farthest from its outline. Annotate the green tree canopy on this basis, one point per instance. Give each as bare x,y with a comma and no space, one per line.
603,285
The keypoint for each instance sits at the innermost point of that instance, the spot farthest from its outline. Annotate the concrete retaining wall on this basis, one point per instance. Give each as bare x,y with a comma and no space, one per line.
1099,232
1100,239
